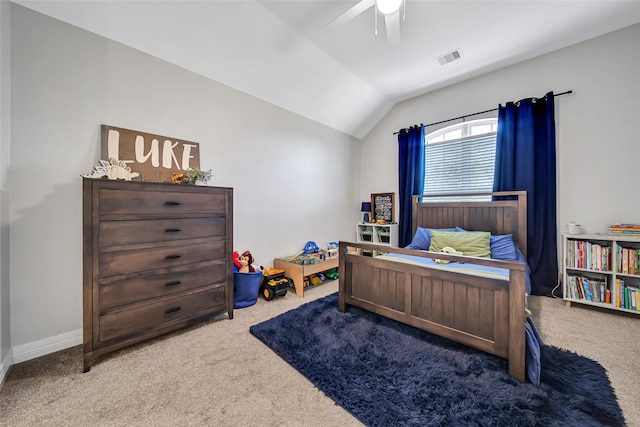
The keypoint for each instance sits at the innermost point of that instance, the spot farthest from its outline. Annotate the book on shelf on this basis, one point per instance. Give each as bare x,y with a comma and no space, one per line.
629,296
618,289
626,297
588,289
573,293
587,255
577,290
624,230
628,260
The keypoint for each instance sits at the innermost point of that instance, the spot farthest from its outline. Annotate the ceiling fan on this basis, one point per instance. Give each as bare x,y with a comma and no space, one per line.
390,9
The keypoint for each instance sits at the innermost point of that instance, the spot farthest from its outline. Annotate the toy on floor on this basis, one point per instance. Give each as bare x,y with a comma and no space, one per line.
332,274
274,283
315,279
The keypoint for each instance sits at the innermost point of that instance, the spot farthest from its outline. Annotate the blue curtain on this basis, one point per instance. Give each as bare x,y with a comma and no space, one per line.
526,160
411,176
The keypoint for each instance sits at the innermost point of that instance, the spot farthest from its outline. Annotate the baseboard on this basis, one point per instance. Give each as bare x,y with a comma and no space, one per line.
4,367
25,352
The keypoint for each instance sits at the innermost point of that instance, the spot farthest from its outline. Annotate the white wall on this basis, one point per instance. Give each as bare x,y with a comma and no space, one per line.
596,126
5,136
294,180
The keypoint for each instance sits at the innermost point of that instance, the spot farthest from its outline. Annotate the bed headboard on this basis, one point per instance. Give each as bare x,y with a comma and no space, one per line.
506,213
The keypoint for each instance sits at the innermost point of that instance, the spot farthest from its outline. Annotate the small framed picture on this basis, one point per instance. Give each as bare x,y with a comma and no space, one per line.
382,206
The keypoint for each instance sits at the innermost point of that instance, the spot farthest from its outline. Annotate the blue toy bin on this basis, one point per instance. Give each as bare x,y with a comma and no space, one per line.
245,288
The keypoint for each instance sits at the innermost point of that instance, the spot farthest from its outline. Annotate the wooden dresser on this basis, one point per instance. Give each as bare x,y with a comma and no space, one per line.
157,257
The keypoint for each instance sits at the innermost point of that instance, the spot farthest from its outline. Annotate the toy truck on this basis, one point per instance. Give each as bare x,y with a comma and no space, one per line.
274,283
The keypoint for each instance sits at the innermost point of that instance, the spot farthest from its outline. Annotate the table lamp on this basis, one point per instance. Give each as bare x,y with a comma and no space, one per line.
366,208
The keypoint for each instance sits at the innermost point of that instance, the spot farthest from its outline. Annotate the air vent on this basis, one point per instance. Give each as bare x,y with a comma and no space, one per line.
450,57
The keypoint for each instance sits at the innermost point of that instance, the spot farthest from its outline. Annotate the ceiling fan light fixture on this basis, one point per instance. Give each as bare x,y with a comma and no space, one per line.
388,6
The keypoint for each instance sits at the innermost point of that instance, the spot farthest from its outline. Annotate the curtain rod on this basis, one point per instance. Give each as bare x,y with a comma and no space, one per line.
475,114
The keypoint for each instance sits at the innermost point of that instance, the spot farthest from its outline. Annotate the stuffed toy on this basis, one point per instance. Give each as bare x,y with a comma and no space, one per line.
448,250
246,261
236,261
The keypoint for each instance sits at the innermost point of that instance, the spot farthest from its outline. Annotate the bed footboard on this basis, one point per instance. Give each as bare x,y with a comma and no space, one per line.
481,312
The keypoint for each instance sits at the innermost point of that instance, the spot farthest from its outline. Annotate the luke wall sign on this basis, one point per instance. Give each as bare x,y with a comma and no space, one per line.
154,157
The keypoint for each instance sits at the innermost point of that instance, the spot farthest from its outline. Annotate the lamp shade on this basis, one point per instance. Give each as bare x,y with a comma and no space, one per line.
366,207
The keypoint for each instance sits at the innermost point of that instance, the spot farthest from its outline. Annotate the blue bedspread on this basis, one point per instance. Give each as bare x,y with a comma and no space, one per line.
473,269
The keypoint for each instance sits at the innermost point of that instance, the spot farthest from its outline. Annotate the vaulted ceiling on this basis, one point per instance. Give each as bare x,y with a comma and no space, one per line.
347,78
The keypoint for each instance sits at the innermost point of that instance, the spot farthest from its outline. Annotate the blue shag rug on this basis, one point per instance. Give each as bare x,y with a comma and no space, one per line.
388,374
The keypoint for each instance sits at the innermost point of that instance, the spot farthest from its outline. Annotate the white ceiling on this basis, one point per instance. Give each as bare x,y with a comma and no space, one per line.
347,78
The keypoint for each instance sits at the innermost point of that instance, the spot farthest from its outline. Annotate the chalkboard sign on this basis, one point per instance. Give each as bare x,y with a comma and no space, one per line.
382,205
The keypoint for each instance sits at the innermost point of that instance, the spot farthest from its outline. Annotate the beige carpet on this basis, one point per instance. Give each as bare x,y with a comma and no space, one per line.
216,373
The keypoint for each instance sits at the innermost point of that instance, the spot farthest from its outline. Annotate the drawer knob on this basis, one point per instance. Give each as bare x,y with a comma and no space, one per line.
172,309
172,230
172,203
174,256
173,283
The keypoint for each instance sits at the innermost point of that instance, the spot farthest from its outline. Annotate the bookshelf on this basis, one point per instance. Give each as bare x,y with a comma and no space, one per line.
380,234
601,270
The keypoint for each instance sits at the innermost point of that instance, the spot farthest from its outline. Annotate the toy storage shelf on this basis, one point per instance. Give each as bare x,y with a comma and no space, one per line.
379,234
297,272
607,265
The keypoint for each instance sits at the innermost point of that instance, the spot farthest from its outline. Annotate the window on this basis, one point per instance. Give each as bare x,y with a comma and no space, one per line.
461,159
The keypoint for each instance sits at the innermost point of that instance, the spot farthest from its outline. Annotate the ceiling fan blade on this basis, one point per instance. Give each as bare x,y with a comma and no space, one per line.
392,28
349,14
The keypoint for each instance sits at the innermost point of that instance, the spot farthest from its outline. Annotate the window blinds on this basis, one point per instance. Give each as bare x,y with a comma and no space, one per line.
460,166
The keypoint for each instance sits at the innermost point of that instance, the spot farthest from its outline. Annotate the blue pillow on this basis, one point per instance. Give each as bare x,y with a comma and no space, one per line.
502,247
422,238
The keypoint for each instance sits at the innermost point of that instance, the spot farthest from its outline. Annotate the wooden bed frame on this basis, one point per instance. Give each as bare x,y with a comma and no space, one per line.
484,313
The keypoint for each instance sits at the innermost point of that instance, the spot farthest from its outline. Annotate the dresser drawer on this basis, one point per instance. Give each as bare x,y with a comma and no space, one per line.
114,233
142,318
155,256
160,203
129,291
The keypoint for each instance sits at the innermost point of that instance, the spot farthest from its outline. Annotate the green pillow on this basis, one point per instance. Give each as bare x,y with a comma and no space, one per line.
471,243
